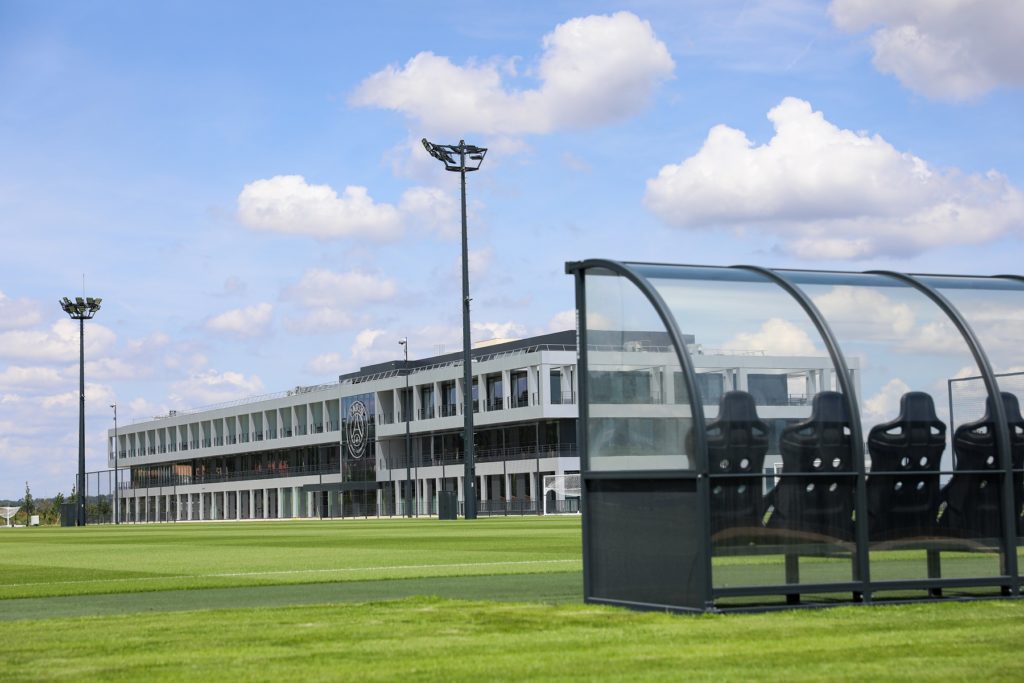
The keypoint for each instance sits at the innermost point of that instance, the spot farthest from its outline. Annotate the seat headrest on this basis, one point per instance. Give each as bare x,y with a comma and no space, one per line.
737,406
1010,404
917,406
829,406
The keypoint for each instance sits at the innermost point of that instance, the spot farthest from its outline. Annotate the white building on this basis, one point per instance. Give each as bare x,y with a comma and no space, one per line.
339,449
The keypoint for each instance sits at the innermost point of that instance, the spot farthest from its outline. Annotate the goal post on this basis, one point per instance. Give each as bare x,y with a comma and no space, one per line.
564,487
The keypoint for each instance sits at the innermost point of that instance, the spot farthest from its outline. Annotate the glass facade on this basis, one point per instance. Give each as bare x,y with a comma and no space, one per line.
830,433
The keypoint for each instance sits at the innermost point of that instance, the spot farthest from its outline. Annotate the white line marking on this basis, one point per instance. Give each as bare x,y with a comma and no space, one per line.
293,571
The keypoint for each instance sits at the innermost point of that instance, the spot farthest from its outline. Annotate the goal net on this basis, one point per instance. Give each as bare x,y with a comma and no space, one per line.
564,485
8,512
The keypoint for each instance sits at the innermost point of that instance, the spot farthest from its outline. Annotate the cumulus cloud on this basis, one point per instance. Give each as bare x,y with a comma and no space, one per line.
865,313
563,320
18,313
952,50
594,70
210,386
59,344
97,398
16,377
329,298
776,337
326,363
321,288
885,405
433,210
830,193
288,204
251,321
493,330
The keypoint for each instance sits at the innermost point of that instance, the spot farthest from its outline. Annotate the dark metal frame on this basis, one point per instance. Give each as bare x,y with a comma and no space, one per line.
862,587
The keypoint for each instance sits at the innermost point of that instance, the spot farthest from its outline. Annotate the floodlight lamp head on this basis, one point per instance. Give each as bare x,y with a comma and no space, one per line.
403,341
461,157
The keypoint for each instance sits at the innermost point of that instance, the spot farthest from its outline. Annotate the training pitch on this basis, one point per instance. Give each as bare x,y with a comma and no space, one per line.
491,599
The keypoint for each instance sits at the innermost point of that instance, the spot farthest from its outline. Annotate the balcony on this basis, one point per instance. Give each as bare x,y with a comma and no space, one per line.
565,450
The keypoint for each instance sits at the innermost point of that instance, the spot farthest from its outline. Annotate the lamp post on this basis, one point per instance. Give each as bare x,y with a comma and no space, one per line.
462,159
404,341
117,519
81,310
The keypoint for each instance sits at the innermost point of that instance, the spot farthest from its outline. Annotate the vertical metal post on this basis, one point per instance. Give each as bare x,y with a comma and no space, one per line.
81,422
408,448
467,366
117,519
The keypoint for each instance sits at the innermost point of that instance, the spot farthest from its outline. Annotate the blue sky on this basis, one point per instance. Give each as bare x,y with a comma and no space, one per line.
243,184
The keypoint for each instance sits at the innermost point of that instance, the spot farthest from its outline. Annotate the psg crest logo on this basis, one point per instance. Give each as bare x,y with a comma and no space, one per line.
357,430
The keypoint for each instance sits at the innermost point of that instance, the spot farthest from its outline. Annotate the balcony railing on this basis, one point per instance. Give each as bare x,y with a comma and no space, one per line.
397,461
238,475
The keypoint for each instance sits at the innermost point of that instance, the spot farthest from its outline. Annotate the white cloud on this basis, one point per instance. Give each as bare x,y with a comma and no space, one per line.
210,386
112,368
321,288
953,49
251,321
885,405
493,330
937,336
145,345
480,261
330,297
139,407
326,363
18,313
830,193
17,377
776,337
288,204
865,313
594,70
97,398
59,344
433,209
563,320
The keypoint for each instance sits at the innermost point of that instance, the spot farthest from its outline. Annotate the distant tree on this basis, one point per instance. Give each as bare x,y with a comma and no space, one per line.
58,500
28,504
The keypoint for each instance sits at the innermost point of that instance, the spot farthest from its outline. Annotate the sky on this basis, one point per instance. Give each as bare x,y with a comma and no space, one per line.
243,182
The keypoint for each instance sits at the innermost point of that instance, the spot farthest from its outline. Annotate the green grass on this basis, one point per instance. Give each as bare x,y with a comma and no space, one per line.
494,599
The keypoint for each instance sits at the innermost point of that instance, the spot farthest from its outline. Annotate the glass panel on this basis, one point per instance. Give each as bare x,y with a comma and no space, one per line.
780,458
994,308
638,419
925,516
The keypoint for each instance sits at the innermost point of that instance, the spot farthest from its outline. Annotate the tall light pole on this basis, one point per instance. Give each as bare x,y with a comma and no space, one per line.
462,159
404,341
81,310
117,520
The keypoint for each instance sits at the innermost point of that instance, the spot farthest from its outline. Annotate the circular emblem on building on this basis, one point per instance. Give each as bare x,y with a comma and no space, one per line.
357,431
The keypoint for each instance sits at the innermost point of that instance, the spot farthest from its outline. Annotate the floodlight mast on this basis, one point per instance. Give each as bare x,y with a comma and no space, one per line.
81,310
455,158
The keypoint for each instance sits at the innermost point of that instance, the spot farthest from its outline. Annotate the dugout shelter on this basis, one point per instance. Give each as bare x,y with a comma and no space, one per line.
754,438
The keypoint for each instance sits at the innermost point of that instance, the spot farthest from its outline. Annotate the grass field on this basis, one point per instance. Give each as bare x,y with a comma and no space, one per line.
495,599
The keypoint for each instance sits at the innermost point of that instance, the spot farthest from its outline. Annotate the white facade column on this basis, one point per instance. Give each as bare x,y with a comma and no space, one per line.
544,385
508,487
459,486
280,507
483,488
202,506
266,501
